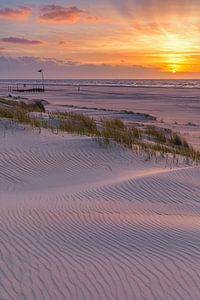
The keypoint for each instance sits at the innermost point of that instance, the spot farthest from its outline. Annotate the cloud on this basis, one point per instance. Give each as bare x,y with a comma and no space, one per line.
65,43
27,66
19,67
16,14
22,41
2,50
61,15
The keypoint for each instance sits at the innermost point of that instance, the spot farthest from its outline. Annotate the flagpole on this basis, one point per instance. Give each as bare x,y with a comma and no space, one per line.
41,71
42,79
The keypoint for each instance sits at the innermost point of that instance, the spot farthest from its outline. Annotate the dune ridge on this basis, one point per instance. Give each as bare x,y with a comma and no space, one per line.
80,221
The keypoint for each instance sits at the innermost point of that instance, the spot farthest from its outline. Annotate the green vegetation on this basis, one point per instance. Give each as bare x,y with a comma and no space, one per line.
75,123
158,135
149,139
176,140
21,116
115,129
166,136
35,106
160,140
6,113
19,112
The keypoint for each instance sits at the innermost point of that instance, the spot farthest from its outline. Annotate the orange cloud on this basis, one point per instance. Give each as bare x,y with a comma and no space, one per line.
89,18
61,15
16,14
65,43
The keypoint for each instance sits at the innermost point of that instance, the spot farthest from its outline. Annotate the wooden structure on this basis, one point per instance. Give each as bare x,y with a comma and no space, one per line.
26,88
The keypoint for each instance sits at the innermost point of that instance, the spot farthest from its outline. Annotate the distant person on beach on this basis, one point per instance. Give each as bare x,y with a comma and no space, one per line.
79,88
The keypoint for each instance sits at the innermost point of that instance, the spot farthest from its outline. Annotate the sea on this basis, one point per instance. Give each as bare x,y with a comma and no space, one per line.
155,83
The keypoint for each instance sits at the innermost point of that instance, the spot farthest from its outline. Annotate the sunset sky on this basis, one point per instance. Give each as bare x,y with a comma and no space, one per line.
100,39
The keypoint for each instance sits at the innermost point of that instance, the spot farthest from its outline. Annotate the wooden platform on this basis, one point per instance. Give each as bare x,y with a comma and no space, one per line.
32,90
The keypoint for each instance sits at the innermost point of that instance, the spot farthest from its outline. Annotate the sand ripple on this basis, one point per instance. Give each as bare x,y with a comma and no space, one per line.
80,221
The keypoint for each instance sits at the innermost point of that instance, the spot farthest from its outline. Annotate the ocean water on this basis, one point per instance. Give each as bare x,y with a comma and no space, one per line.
175,83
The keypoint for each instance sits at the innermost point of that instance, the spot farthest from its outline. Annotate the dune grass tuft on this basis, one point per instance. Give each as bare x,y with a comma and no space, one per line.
75,123
34,106
159,140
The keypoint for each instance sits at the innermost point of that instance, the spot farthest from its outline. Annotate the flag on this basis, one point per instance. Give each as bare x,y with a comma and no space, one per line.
40,70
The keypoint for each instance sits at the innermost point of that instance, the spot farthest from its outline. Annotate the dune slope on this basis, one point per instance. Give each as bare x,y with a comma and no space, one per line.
84,221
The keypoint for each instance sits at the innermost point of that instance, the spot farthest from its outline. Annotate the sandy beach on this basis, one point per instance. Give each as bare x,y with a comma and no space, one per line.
175,108
83,222
99,150
168,104
80,220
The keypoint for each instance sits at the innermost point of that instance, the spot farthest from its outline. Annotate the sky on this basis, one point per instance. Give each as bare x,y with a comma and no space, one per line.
100,39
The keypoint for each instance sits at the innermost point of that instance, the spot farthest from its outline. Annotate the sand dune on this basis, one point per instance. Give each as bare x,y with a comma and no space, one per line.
84,221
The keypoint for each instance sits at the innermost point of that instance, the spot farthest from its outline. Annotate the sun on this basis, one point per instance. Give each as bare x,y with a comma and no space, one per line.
176,49
174,63
174,69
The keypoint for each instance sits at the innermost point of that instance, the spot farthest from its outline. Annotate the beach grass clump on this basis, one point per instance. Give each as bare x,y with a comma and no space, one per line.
6,113
167,138
156,133
116,130
9,102
178,141
160,140
34,106
19,111
112,128
75,123
23,117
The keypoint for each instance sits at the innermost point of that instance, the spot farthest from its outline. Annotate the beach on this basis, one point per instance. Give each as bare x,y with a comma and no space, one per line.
88,220
99,150
181,105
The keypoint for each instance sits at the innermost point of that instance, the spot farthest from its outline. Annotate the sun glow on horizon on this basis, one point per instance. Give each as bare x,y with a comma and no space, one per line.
176,52
175,63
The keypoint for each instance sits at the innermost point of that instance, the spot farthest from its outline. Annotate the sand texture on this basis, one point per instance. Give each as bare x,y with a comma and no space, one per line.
80,221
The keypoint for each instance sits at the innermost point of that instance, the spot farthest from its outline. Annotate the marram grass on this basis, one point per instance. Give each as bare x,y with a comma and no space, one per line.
160,140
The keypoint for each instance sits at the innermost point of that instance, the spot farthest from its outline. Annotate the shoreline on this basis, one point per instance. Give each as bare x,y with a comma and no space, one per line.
118,83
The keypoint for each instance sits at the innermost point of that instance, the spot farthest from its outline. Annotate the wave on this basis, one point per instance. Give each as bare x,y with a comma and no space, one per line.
188,84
